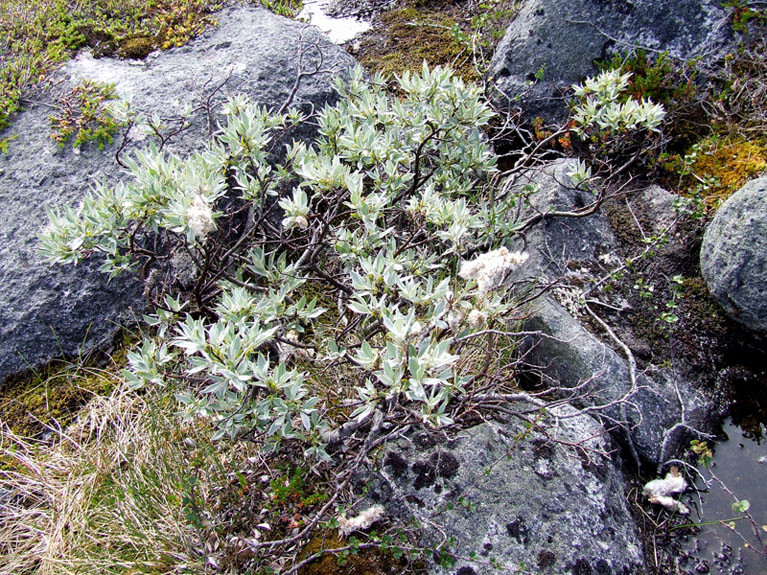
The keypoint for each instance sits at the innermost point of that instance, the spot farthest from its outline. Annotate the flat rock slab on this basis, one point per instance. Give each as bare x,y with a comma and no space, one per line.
507,495
48,312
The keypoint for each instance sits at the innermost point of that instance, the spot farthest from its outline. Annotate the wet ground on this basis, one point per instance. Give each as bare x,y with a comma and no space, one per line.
730,543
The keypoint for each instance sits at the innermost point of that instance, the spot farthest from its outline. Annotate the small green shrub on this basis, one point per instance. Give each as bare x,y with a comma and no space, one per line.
84,116
287,8
380,212
611,125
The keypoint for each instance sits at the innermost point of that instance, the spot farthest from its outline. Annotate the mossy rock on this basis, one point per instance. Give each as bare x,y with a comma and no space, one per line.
137,48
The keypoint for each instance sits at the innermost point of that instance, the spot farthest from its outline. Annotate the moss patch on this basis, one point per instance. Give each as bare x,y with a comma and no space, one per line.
30,404
409,36
362,562
438,32
137,48
52,396
728,163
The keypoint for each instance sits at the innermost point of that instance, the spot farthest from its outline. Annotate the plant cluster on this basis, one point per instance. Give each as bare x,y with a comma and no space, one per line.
604,112
378,214
287,8
83,116
317,298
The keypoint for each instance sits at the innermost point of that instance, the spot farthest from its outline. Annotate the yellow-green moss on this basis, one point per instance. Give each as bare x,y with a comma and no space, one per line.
51,396
137,48
717,166
731,162
364,562
30,404
412,35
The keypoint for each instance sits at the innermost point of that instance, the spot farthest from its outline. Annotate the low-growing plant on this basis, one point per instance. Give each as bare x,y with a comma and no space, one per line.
287,8
356,282
83,116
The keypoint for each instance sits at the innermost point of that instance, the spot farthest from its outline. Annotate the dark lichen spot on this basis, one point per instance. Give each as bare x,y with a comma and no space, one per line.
466,571
425,474
597,470
414,500
424,440
397,464
546,559
581,567
446,463
602,567
519,531
542,449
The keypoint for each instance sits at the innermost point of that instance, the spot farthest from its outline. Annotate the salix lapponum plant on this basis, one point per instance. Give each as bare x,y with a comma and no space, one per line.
352,255
601,103
616,127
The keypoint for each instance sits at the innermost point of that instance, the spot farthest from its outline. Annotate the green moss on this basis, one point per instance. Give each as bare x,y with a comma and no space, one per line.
30,404
412,35
137,48
369,561
52,396
37,35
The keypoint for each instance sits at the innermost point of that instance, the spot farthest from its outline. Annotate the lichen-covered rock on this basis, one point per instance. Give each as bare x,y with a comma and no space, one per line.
733,256
58,311
506,495
562,39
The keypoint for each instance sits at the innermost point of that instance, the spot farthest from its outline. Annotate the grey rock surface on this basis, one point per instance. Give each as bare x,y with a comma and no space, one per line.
506,496
733,256
47,311
578,251
564,38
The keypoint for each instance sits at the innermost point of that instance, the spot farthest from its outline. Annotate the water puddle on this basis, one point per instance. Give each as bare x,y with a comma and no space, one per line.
338,29
728,546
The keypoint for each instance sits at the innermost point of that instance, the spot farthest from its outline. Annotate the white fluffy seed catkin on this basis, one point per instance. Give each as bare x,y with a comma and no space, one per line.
659,491
477,318
489,269
361,521
199,217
